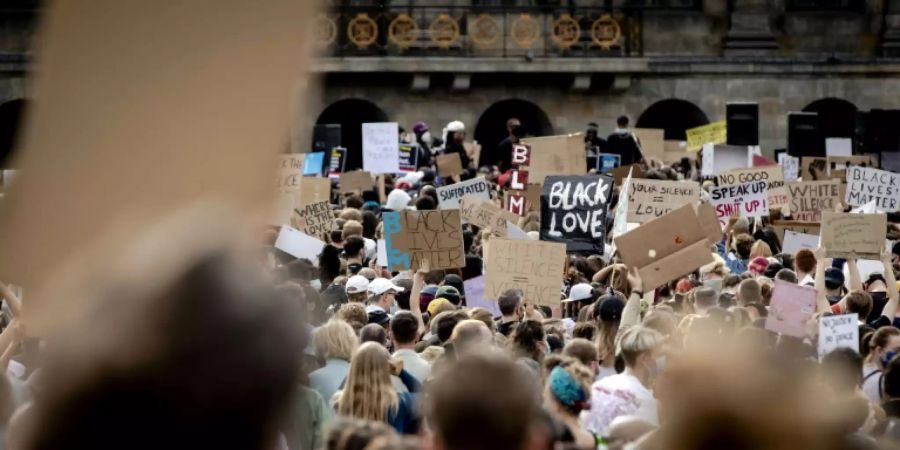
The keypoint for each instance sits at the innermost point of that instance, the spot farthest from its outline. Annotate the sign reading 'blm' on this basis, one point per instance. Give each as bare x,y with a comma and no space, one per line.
865,185
573,210
747,199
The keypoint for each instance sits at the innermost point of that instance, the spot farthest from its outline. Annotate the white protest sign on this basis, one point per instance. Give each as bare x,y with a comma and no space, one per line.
449,196
838,332
868,208
730,157
794,241
381,147
381,255
620,221
838,147
748,199
791,166
865,185
298,244
707,169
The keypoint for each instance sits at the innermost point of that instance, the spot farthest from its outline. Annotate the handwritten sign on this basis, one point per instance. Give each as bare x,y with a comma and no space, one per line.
573,210
381,147
535,267
792,307
844,234
314,219
772,175
484,214
649,199
312,190
838,332
747,199
781,227
810,198
449,196
714,133
412,237
866,185
790,165
290,172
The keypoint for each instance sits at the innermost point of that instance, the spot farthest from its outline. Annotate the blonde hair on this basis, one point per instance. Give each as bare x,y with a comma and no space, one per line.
470,334
368,393
335,339
717,267
354,314
760,248
349,214
354,228
636,341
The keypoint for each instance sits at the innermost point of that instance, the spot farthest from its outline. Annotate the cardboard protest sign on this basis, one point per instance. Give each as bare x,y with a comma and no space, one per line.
358,180
714,133
747,199
312,190
381,147
790,165
298,244
838,147
313,164
336,162
772,175
665,248
556,155
814,169
412,237
866,185
473,149
810,198
449,165
794,241
843,234
485,214
620,173
290,171
535,267
709,223
449,195
573,210
314,219
652,141
649,199
838,332
791,308
782,226
409,158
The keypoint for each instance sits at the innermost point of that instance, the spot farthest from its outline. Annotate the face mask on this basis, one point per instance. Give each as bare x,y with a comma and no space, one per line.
426,138
886,359
316,284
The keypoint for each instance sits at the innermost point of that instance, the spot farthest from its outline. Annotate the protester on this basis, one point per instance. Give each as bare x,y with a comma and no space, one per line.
566,395
624,143
512,310
335,343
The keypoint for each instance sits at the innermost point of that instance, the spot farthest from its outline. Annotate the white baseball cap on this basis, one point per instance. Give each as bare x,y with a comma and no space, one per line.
357,284
581,291
379,286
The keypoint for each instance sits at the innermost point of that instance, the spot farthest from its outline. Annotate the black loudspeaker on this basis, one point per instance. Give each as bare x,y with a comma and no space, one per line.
804,138
743,123
883,131
326,137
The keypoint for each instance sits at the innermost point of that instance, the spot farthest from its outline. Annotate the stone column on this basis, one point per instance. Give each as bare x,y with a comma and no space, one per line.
750,33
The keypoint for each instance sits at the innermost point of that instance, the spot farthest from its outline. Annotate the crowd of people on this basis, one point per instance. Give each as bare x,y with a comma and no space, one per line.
267,351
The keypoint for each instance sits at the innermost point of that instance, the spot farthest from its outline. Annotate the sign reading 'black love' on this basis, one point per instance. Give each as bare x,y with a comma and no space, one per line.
573,210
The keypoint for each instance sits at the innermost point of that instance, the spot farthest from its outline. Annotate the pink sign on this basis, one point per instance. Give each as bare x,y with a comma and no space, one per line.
791,309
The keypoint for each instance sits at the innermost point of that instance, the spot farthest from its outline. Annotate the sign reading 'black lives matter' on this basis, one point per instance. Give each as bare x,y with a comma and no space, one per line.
573,210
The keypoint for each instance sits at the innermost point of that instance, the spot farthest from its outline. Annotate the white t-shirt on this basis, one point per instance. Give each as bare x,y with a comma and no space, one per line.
872,383
414,364
617,396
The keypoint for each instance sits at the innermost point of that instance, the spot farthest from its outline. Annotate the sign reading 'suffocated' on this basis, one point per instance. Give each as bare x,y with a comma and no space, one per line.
573,210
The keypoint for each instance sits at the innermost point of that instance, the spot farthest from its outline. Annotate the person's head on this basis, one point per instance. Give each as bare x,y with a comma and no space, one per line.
357,289
344,433
622,122
609,314
875,283
512,126
355,315
748,292
368,393
742,245
568,386
435,277
760,249
373,332
510,303
446,324
335,340
450,293
804,261
425,203
528,340
351,228
639,347
482,402
584,330
704,298
891,381
381,293
485,317
787,275
881,346
758,265
842,368
404,329
470,335
858,302
354,247
715,270
352,215
584,351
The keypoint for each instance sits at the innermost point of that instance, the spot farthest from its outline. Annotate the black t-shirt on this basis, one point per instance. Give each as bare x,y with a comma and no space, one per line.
506,328
625,146
502,157
881,321
473,267
354,268
879,299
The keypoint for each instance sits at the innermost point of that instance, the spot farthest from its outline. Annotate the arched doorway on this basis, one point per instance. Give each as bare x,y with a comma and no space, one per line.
491,127
11,114
350,114
837,117
673,115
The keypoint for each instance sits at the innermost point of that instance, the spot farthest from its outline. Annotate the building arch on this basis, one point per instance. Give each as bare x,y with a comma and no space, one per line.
674,116
837,117
11,115
491,126
350,114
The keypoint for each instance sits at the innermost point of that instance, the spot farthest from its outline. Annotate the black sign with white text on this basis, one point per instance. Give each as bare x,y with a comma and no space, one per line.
573,210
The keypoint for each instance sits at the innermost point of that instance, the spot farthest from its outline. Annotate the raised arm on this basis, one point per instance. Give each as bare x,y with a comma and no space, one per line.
890,309
822,305
418,284
855,280
631,314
